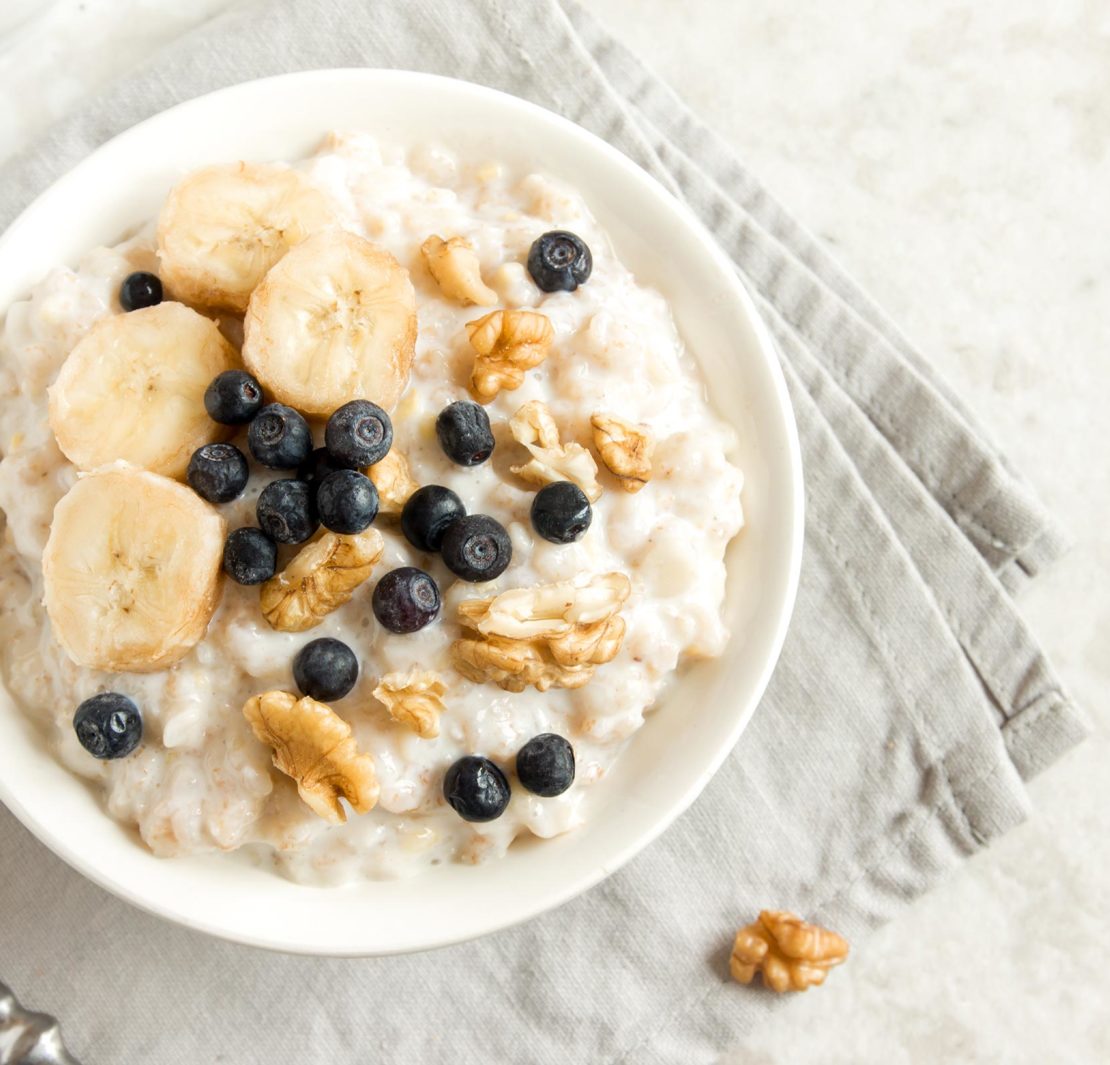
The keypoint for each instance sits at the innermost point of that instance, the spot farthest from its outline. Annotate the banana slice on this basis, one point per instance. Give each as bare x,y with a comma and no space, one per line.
131,570
223,227
335,320
132,390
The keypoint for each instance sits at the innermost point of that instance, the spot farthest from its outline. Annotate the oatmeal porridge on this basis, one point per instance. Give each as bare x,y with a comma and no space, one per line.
256,610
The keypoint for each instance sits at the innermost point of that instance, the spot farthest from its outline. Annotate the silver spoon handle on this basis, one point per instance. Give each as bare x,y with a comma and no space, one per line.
28,1038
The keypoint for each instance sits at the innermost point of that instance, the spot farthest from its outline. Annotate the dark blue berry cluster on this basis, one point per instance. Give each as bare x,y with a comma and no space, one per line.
477,788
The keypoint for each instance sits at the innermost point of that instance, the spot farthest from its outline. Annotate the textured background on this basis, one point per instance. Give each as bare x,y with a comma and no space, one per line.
957,157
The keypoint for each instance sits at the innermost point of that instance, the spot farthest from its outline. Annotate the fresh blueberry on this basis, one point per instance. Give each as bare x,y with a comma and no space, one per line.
476,789
476,548
561,512
250,556
405,599
286,511
559,261
140,289
426,515
358,434
464,433
218,472
233,398
346,501
279,437
325,669
108,725
545,764
317,466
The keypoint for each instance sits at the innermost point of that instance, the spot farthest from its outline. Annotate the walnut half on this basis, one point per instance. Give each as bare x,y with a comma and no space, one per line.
535,428
313,745
455,267
791,954
625,448
550,636
393,480
507,344
320,577
414,699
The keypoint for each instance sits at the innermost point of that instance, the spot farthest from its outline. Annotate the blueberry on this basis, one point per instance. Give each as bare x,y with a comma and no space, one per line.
559,261
405,600
346,501
476,548
464,433
325,669
561,512
358,434
286,511
545,764
476,789
279,437
218,472
250,556
317,466
140,289
426,515
108,725
233,398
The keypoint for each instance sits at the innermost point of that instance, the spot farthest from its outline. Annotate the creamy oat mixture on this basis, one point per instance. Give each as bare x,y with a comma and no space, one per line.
201,780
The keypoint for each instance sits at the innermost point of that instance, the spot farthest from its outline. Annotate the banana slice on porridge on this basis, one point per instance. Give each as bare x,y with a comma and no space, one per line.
131,570
335,319
223,227
132,390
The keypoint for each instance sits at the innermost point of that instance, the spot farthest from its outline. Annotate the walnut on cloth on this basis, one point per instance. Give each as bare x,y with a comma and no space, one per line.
414,699
626,449
549,636
313,745
454,265
506,343
791,954
535,428
393,480
320,577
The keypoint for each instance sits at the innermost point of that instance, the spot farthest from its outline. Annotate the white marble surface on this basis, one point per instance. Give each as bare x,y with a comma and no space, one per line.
957,156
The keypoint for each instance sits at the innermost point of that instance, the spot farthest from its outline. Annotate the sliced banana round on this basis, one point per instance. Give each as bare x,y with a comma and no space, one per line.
132,390
223,227
131,570
335,320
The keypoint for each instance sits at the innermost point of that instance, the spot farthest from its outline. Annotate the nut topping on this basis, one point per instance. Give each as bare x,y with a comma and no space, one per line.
535,428
508,343
550,636
455,267
313,745
791,954
414,699
625,448
320,577
393,480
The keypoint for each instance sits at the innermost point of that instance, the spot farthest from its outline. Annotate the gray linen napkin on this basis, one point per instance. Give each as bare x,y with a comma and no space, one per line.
909,705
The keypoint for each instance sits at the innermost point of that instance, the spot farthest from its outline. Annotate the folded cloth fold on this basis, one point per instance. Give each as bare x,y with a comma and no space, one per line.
909,705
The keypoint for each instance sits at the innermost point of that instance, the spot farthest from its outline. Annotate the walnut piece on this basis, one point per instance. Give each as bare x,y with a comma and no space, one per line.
393,480
455,267
791,954
320,577
414,699
625,448
507,343
313,745
535,428
550,636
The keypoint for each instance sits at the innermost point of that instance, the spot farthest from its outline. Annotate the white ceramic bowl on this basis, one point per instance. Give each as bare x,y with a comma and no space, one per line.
684,741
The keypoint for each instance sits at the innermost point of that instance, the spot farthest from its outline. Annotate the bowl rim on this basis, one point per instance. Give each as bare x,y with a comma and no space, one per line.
794,500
